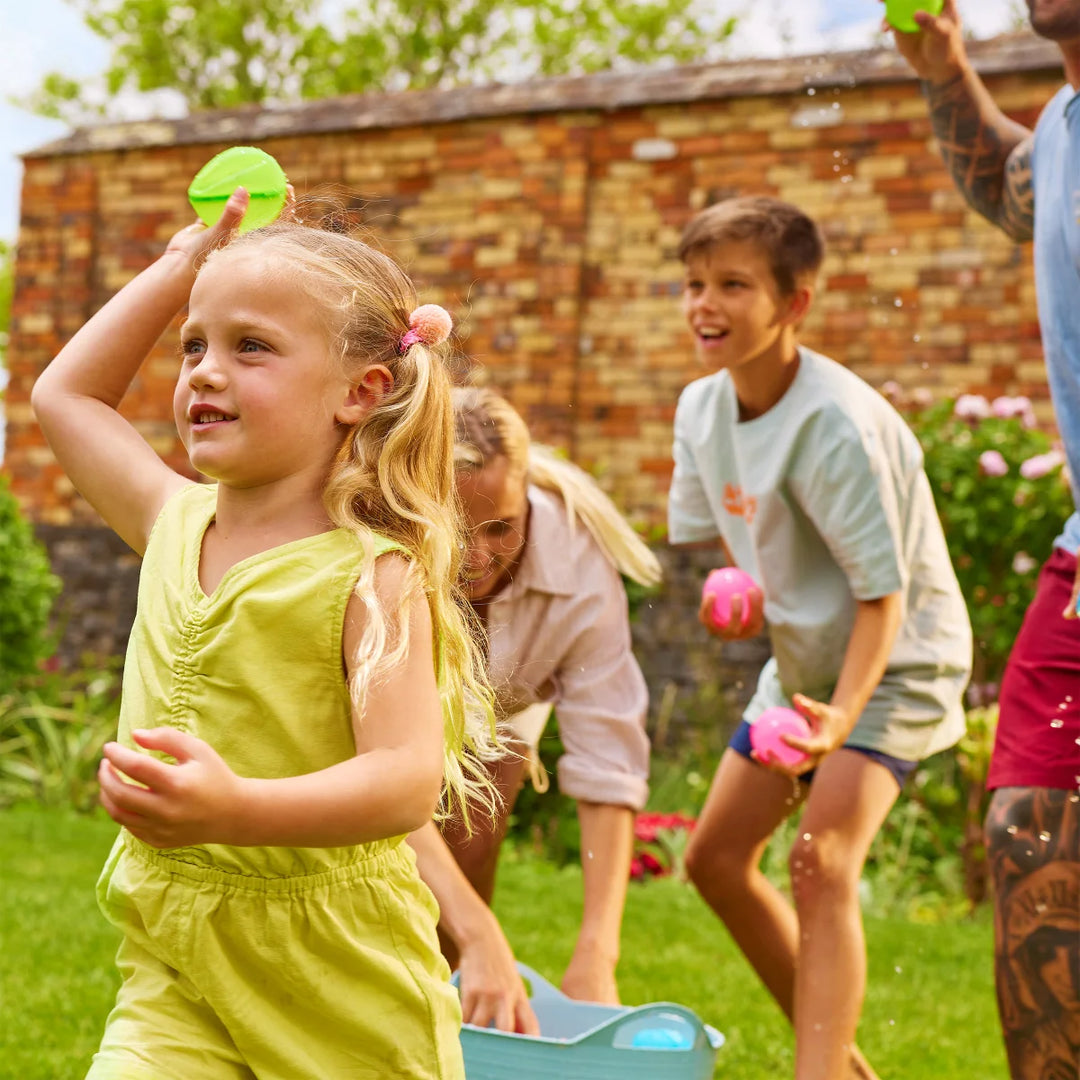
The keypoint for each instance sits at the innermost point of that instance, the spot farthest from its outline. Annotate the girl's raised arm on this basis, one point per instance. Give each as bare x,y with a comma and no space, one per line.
76,398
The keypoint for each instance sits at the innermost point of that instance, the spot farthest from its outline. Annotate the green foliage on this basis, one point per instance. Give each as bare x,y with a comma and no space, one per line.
999,529
224,53
52,730
27,590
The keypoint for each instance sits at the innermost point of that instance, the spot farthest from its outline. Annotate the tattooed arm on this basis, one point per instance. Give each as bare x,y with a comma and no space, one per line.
988,154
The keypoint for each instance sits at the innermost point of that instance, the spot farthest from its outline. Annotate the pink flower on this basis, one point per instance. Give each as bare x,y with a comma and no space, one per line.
991,463
1023,563
892,391
971,407
1009,407
1041,465
922,397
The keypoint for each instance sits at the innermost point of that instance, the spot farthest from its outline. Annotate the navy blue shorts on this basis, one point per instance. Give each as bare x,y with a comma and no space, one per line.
901,770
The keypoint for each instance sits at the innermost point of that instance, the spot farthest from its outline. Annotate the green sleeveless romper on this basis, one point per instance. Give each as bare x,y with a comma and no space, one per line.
275,963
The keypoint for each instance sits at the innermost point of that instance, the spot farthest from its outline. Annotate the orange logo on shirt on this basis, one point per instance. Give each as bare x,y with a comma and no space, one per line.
739,505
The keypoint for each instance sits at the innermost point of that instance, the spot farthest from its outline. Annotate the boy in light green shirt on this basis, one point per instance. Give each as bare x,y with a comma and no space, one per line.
812,484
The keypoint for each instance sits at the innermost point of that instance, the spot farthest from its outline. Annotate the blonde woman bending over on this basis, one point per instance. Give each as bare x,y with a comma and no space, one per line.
546,547
285,718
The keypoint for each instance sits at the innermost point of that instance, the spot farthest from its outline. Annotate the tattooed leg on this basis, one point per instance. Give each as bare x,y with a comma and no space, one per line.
1033,842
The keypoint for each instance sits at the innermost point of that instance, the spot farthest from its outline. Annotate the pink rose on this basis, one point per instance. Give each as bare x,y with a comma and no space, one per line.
991,463
971,407
1023,563
1041,465
892,391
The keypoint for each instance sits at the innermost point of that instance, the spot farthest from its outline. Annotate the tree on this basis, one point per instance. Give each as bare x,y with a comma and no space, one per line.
223,53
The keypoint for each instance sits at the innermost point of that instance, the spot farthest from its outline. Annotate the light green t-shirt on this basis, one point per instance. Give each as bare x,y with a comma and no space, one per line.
824,501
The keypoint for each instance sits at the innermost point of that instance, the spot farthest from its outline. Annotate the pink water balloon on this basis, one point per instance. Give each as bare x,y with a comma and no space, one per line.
722,585
766,732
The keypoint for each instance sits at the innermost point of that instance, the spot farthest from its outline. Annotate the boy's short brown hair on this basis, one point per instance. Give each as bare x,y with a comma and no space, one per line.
790,240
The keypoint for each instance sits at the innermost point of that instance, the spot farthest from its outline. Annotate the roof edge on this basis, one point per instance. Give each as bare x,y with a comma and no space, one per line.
606,91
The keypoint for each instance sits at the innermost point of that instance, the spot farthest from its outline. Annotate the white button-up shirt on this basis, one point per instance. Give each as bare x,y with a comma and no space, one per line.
560,633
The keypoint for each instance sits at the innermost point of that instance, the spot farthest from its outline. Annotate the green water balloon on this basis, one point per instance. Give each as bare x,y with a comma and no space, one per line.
239,166
901,13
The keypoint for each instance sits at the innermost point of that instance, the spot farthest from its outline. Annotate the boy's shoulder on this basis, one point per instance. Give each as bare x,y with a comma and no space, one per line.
704,392
826,389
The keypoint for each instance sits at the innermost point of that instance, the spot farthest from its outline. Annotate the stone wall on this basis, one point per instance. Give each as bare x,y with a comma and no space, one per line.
545,217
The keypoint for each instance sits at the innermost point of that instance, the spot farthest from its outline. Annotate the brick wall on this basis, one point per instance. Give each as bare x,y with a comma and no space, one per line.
546,216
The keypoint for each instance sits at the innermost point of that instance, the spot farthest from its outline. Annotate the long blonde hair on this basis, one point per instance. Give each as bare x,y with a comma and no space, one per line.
393,475
488,426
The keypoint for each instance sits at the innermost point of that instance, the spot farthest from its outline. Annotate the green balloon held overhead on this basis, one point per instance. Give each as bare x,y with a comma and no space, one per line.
901,13
239,166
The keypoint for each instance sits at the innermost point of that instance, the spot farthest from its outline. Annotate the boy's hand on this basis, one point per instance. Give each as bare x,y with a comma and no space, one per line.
936,51
168,806
829,728
733,629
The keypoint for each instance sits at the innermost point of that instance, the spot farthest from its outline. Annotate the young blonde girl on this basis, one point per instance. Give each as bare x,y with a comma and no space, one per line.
298,668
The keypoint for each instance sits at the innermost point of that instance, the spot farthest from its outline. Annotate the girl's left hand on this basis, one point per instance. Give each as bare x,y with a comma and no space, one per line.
829,728
192,802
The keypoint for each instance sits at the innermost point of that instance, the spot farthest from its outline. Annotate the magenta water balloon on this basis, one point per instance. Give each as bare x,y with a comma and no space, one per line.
724,584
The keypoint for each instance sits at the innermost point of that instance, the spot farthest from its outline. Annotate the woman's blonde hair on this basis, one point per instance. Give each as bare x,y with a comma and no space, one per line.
488,426
394,476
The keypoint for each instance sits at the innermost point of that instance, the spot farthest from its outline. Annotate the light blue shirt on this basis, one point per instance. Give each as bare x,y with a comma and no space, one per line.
1055,167
824,502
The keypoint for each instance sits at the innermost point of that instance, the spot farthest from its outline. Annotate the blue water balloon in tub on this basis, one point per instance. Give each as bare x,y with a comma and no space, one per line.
658,1031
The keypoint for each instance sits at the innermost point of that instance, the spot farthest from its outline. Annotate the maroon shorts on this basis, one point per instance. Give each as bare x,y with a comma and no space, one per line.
1038,733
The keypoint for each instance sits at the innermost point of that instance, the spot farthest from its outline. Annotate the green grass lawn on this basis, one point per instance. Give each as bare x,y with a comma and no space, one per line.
929,1012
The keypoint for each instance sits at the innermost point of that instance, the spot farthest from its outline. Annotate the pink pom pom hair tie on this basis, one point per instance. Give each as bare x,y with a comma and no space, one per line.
429,324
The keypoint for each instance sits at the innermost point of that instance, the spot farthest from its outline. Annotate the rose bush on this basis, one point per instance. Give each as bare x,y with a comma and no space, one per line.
1002,492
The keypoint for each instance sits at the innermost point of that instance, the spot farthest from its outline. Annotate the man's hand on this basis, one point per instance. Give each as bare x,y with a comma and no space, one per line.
936,51
733,629
194,801
590,976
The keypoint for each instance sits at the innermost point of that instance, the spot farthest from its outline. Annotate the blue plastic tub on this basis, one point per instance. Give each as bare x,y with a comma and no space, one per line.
582,1041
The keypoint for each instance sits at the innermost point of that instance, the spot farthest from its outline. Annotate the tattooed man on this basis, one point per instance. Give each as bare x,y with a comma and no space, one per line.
1028,184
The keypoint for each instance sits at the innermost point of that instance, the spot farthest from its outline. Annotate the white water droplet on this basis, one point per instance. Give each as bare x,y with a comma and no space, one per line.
898,302
807,836
898,969
917,338
1012,830
1057,723
1044,836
